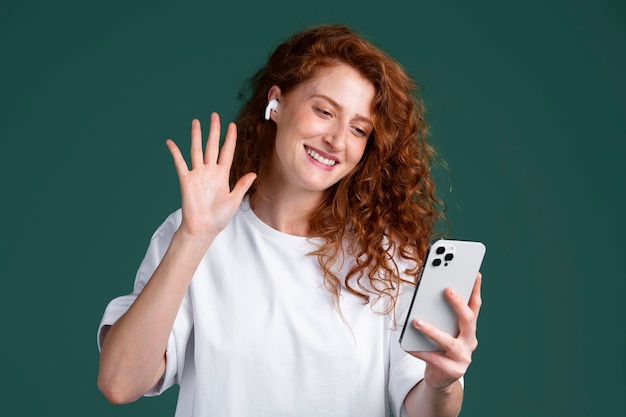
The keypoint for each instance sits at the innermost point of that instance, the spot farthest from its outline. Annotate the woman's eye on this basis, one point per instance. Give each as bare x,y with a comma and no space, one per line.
323,112
361,132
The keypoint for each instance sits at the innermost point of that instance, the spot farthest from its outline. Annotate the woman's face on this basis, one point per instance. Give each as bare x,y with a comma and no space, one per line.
323,126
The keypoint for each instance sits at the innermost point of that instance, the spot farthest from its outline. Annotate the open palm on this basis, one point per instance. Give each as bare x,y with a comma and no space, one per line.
208,203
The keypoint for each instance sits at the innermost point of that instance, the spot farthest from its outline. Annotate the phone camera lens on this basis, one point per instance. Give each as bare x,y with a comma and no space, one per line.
440,250
437,262
449,257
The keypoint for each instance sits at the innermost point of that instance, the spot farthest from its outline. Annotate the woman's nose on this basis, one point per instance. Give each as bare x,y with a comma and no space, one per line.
335,137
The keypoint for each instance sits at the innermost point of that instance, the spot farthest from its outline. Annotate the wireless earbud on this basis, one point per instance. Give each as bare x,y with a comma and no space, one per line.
272,105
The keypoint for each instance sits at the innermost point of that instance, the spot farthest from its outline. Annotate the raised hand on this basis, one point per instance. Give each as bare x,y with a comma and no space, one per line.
444,368
208,203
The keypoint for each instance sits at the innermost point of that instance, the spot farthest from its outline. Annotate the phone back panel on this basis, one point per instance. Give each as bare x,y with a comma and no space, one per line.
449,263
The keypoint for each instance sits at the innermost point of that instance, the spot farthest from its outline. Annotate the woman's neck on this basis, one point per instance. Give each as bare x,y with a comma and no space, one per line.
287,214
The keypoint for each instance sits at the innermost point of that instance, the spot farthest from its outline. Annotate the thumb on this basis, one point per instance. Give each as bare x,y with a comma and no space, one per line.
243,185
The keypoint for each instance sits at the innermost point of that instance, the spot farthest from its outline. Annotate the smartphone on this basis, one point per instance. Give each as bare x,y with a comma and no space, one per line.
449,263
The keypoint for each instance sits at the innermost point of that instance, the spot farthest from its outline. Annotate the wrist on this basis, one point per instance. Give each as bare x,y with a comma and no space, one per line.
193,241
443,389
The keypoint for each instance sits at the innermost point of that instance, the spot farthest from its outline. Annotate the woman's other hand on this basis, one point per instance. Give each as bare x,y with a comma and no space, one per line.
444,368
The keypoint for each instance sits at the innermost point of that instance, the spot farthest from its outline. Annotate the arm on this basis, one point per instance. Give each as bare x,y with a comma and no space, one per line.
440,393
133,353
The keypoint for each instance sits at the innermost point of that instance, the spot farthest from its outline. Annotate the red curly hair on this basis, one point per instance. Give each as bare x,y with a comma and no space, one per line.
386,207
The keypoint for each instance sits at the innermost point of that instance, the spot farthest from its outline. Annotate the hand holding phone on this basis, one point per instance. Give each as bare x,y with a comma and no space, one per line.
448,263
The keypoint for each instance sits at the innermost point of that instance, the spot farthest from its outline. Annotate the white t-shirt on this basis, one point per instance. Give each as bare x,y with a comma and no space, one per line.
257,333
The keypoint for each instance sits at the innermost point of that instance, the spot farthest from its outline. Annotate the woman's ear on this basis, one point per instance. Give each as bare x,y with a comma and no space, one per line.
273,100
274,93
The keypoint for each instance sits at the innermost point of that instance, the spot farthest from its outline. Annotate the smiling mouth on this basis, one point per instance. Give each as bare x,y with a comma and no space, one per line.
320,159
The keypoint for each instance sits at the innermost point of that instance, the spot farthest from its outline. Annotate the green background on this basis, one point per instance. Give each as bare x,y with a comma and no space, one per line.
527,104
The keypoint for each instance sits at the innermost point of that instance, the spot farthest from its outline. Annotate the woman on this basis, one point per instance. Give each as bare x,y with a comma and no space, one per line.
272,291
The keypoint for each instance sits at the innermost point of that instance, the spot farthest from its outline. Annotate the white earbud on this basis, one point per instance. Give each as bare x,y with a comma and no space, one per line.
272,105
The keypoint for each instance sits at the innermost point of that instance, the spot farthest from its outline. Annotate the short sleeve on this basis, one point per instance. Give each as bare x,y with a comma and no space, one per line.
183,325
405,371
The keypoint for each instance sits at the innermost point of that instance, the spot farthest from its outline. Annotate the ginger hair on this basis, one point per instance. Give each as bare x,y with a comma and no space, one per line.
386,208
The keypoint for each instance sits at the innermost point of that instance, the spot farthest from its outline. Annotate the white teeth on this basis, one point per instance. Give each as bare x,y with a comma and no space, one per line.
319,158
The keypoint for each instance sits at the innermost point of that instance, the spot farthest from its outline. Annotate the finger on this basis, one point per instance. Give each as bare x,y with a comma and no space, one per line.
466,317
453,348
466,311
196,144
450,368
228,149
437,359
243,185
459,305
443,339
475,300
177,156
213,142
